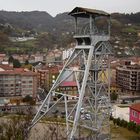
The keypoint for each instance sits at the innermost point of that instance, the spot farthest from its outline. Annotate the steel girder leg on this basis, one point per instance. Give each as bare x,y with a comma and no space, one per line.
82,92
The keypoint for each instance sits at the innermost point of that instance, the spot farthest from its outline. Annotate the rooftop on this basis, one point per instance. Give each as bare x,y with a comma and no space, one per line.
18,72
135,107
129,67
68,84
6,67
85,12
2,55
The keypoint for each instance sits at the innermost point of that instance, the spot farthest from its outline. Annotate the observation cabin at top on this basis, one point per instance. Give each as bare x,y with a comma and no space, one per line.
98,26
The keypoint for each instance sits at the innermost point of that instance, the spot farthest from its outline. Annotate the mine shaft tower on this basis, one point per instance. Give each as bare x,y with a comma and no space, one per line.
90,110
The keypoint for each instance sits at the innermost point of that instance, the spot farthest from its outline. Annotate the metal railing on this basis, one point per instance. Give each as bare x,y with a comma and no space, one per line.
85,30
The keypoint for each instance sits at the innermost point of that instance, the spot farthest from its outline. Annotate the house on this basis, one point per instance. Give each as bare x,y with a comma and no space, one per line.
135,113
6,67
2,57
39,57
69,88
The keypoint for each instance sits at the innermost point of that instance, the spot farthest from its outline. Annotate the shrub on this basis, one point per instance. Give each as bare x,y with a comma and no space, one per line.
113,96
111,118
118,121
28,99
124,123
137,129
131,125
114,121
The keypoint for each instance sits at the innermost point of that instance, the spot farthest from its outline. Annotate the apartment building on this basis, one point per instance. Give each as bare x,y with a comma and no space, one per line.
42,77
18,83
47,76
128,77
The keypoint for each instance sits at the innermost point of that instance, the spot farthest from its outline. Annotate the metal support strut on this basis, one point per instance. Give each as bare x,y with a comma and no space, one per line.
87,108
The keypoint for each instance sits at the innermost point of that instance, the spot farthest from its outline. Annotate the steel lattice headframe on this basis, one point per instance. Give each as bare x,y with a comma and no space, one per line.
90,68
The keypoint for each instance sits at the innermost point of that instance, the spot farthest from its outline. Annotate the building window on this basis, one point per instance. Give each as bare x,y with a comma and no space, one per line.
68,88
135,114
53,76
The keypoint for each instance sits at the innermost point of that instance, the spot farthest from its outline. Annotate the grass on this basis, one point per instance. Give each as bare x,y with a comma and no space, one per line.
120,133
117,133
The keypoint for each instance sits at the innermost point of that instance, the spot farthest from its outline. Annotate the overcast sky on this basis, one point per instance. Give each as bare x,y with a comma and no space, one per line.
54,7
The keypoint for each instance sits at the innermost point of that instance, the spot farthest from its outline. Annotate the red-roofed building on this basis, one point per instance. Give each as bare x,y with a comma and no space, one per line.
2,57
135,113
68,83
6,68
19,69
70,88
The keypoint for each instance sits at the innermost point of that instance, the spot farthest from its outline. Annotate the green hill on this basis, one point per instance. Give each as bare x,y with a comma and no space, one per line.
57,31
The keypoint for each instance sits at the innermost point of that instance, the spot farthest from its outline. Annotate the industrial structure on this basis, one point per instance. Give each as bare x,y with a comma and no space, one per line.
89,113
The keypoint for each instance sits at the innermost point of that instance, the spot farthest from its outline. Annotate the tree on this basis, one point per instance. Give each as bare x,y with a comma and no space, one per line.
45,40
16,63
26,62
11,59
29,99
4,42
14,128
113,96
29,66
4,38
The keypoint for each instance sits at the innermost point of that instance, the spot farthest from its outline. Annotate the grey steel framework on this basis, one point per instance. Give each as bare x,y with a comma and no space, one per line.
90,110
